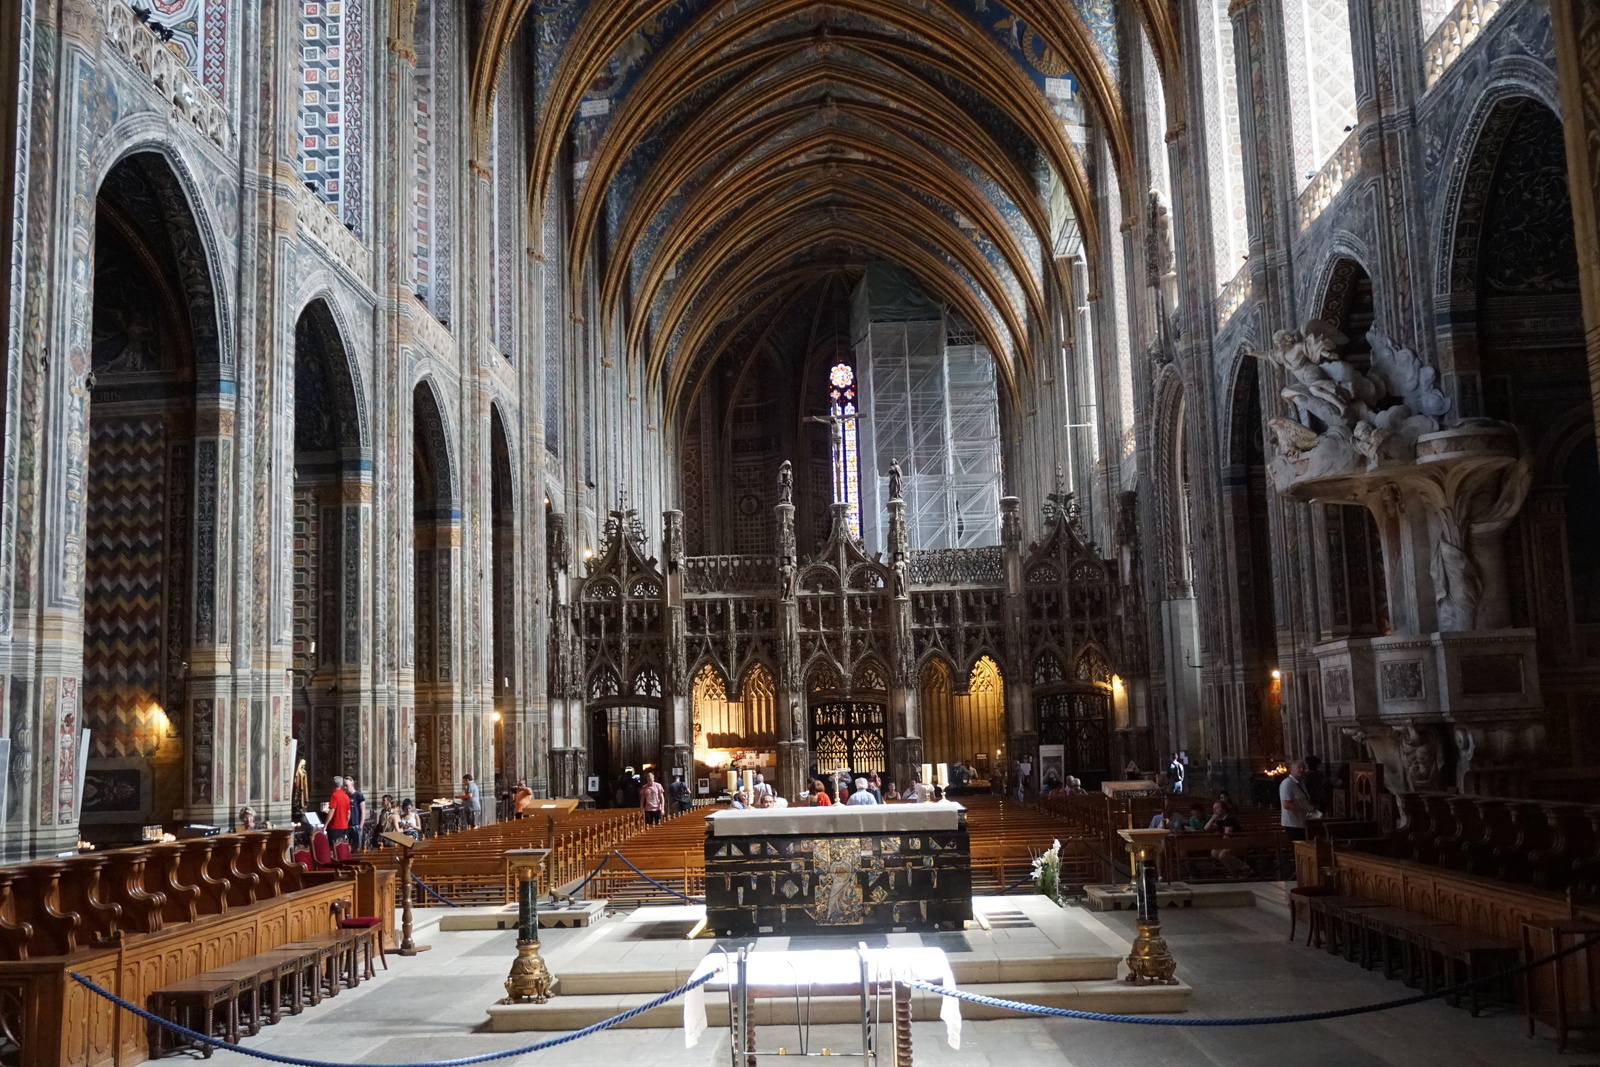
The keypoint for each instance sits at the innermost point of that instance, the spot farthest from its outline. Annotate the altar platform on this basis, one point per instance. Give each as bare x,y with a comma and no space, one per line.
1017,947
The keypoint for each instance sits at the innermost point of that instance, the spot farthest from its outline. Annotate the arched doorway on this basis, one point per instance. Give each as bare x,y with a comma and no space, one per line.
624,731
965,723
1074,715
1516,267
154,323
1248,510
734,732
510,744
444,750
326,554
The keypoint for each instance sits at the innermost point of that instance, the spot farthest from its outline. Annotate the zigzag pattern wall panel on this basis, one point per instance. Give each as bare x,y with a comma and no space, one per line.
123,587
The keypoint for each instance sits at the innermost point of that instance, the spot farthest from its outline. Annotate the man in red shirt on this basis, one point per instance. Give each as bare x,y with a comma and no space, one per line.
652,798
338,813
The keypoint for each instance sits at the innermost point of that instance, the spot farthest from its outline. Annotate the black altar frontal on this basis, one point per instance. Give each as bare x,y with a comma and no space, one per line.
839,869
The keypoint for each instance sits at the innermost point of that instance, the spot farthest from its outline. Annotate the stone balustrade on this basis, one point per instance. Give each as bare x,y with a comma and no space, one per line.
1326,183
192,101
1458,30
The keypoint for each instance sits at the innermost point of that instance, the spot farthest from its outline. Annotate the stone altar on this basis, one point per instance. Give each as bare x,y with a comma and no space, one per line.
839,869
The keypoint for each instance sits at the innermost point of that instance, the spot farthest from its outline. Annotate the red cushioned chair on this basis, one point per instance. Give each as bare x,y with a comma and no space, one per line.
361,922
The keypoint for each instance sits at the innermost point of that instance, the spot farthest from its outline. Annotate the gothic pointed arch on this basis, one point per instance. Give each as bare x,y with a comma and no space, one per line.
148,592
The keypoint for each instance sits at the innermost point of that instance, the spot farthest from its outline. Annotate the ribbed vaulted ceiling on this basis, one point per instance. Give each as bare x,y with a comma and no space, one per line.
728,158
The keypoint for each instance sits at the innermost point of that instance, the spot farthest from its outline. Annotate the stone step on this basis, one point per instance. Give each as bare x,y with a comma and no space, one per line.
969,968
572,1011
504,917
1173,895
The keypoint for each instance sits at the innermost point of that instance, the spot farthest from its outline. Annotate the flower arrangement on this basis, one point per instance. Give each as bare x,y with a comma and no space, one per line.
1047,872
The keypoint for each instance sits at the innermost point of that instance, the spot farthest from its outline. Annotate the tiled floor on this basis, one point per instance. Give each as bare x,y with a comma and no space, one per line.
432,1008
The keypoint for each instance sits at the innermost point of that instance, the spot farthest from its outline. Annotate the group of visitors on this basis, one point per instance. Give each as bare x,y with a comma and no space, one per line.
345,816
1220,820
1071,786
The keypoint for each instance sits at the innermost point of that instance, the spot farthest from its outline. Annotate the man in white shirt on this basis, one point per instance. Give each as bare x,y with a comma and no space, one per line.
1295,802
861,794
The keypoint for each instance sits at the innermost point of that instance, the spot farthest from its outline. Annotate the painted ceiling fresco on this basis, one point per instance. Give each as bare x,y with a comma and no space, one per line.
726,154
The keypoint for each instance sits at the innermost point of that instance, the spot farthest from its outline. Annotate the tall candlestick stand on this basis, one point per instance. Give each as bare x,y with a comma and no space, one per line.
1149,963
530,980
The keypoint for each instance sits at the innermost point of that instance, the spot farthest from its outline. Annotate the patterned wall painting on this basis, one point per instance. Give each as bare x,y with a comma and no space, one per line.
123,698
332,98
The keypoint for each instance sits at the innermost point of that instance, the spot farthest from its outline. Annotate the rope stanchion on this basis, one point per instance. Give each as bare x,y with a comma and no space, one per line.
1264,1020
658,885
433,892
487,1057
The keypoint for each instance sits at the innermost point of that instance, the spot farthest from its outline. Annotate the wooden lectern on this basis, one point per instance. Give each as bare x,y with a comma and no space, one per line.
407,845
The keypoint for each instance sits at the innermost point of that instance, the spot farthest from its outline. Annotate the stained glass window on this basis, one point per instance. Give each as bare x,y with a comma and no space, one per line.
846,451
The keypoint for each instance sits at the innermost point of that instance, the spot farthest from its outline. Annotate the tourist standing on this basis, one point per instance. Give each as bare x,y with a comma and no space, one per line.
861,794
681,801
819,795
652,798
1295,802
338,809
358,814
470,799
761,788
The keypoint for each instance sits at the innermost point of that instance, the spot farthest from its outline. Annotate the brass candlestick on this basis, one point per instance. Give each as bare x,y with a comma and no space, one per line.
530,980
1149,963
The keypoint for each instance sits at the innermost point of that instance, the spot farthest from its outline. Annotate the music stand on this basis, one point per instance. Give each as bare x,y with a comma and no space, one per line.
407,845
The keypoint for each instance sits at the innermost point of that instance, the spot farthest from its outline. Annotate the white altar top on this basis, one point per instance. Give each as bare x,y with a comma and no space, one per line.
837,819
824,972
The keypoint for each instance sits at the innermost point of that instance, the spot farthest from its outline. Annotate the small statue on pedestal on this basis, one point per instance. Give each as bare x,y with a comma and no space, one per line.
895,478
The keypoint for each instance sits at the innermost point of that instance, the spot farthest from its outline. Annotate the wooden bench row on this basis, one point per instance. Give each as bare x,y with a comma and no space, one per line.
1437,914
256,991
469,867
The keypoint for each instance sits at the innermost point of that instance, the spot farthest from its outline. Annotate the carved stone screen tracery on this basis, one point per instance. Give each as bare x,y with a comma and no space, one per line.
850,734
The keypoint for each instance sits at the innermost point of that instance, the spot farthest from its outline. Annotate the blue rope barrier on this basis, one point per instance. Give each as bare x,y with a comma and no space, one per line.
1264,1020
433,892
658,885
586,881
486,1057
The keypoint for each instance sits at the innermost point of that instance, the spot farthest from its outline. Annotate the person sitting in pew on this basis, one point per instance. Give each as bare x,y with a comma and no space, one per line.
408,821
891,793
1196,821
1222,820
861,794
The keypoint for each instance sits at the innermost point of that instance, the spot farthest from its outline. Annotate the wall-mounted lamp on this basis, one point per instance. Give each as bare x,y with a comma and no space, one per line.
1276,674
